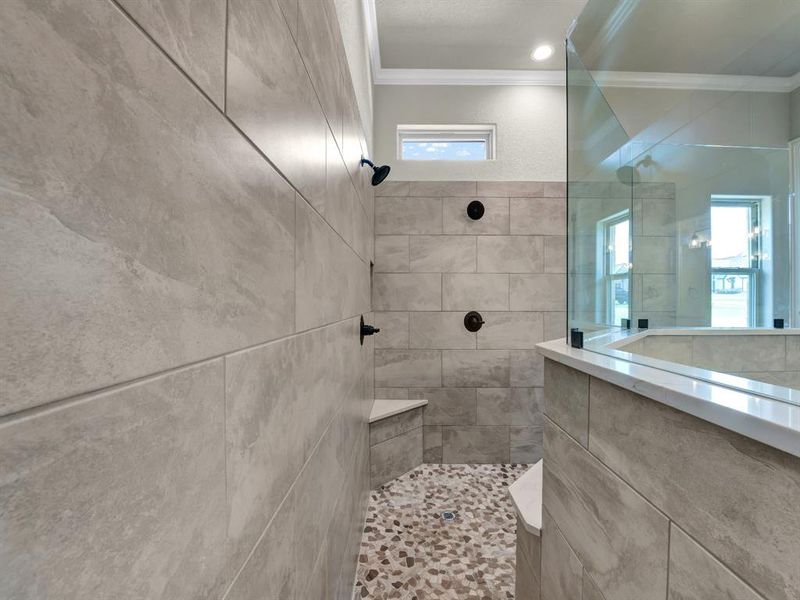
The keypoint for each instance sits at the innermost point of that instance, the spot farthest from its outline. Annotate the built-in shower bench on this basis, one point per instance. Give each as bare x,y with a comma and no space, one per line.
526,495
395,438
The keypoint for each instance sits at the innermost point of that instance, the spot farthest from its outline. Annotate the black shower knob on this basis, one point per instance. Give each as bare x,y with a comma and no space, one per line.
473,321
475,210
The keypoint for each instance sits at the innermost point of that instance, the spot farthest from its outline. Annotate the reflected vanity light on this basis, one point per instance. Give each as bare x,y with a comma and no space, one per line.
699,241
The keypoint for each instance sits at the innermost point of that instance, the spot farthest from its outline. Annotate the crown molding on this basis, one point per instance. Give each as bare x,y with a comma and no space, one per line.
665,81
466,77
606,79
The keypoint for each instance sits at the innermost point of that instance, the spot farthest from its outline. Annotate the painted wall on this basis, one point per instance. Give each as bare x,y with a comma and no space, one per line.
531,130
702,117
183,395
433,264
795,114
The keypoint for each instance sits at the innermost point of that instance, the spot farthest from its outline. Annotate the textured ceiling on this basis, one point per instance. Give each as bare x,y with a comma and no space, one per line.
472,34
732,37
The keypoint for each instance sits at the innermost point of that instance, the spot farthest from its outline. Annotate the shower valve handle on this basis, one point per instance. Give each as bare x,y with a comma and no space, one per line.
367,330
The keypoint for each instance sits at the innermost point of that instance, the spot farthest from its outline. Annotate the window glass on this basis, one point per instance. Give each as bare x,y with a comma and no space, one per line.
444,150
730,299
731,228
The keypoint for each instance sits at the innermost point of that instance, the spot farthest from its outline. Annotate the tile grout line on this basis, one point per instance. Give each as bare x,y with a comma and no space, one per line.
230,121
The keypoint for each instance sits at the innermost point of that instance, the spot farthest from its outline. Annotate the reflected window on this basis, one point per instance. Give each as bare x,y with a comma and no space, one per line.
736,235
616,237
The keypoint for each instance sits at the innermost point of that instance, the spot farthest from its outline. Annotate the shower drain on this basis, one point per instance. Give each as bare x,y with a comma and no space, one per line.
448,516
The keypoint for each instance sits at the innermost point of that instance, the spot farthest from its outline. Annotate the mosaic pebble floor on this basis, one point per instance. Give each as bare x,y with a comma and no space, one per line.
408,552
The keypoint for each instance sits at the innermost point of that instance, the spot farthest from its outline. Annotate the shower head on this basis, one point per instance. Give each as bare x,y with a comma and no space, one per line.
379,173
629,175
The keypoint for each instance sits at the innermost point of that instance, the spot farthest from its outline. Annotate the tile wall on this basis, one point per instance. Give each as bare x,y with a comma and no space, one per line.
643,501
186,240
433,264
651,208
771,358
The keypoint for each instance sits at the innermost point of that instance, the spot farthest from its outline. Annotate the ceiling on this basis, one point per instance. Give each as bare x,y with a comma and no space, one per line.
725,37
719,37
472,34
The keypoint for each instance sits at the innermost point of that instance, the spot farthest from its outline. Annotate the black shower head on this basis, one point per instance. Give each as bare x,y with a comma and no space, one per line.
379,173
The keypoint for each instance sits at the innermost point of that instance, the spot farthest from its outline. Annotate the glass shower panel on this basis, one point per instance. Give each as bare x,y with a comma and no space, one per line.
712,236
599,209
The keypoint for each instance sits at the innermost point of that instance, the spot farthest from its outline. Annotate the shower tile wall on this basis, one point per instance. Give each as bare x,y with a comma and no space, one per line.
433,264
653,281
186,239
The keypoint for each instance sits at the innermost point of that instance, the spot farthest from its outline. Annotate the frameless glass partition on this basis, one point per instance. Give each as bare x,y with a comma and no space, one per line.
681,208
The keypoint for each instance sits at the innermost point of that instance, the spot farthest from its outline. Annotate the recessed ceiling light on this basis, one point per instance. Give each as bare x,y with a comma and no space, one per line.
542,52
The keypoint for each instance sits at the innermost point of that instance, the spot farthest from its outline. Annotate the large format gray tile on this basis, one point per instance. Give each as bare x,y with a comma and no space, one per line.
510,406
739,352
510,254
192,33
621,539
393,188
510,331
395,215
475,292
545,292
394,329
675,348
390,427
538,216
447,406
466,444
519,189
280,398
696,575
475,368
526,368
317,32
179,256
270,571
395,456
793,352
407,291
265,446
391,254
322,294
270,96
408,368
443,254
566,399
555,254
441,330
493,222
526,444
562,572
432,443
119,495
442,188
733,495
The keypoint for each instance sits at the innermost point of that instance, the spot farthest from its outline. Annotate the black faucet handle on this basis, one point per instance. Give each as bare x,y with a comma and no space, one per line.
367,330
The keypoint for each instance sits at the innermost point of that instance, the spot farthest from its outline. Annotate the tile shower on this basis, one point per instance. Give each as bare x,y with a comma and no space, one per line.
433,264
178,398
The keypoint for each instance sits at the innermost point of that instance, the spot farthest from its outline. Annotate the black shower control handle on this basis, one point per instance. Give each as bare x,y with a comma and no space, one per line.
473,321
366,330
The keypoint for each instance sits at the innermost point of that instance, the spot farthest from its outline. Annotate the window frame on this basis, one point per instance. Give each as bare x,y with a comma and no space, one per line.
486,133
754,271
609,278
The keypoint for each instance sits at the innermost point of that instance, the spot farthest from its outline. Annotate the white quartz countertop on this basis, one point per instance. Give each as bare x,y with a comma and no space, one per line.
382,409
526,494
769,421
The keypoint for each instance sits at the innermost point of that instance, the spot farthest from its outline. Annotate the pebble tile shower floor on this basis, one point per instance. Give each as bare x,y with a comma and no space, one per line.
409,552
